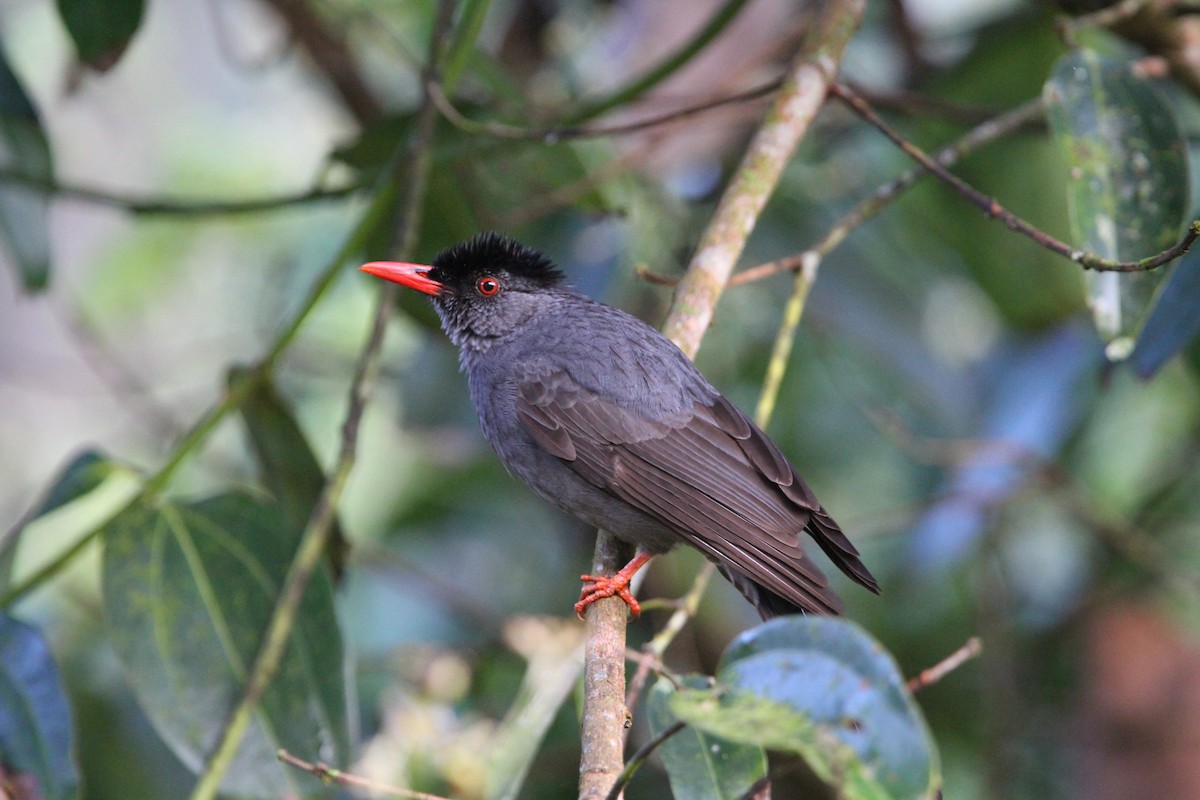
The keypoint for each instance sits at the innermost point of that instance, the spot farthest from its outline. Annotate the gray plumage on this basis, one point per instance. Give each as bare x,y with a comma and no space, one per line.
608,420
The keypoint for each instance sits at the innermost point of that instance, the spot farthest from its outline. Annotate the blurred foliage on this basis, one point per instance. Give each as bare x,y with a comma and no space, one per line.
948,397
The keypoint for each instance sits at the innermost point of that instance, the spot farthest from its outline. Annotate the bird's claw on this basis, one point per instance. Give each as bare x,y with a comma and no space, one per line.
601,587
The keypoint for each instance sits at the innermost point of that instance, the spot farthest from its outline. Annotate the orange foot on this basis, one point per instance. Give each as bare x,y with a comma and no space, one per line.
602,586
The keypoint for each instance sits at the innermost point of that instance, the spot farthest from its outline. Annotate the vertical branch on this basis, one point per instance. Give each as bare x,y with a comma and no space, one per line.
605,717
786,122
795,106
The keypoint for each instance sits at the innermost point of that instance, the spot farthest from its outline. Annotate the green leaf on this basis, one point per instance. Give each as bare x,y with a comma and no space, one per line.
101,29
81,476
24,209
35,720
700,765
188,591
289,468
1127,188
824,689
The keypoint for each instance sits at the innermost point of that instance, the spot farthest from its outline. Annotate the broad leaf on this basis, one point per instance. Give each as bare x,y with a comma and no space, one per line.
289,468
700,765
23,209
824,689
188,591
101,29
35,720
1127,189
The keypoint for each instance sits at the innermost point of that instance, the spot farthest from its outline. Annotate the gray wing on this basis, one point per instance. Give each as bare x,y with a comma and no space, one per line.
707,473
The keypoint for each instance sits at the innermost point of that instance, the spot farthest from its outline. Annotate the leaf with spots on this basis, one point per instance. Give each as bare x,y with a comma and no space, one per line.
1127,185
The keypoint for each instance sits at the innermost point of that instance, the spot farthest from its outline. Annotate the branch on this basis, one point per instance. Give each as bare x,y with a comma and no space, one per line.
789,117
559,133
605,717
327,774
927,677
984,133
992,207
664,69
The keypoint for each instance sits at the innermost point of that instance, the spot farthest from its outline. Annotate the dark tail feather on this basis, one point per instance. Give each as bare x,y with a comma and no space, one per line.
771,605
829,536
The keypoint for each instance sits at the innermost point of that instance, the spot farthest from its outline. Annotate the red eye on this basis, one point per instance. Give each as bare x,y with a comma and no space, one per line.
488,285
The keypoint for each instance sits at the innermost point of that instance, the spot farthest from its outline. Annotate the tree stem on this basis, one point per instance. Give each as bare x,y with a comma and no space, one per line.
788,119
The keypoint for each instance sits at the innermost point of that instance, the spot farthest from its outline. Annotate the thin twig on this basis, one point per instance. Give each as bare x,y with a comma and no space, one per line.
668,66
657,647
926,677
639,758
559,133
327,774
984,133
994,209
789,117
782,348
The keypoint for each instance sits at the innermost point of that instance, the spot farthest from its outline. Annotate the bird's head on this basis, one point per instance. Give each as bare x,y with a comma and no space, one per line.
484,289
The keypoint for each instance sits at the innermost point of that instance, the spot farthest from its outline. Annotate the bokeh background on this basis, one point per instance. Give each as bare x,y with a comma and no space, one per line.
947,397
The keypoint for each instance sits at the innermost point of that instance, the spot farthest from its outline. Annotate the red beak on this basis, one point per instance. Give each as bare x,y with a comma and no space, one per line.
414,276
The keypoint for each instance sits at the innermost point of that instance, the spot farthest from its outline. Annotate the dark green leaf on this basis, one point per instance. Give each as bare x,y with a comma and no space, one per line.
35,720
23,209
700,765
85,472
81,476
1175,319
289,468
824,689
188,592
1127,188
101,29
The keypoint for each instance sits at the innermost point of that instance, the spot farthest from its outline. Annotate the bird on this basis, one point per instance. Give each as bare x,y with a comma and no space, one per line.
607,419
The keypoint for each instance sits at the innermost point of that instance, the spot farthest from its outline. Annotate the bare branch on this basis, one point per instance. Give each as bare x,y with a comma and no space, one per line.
927,677
992,207
984,133
558,133
327,774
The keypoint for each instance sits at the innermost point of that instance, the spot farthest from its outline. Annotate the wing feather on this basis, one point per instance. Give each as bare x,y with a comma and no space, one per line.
705,472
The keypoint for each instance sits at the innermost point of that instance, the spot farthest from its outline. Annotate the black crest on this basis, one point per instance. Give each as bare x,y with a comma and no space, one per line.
494,251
